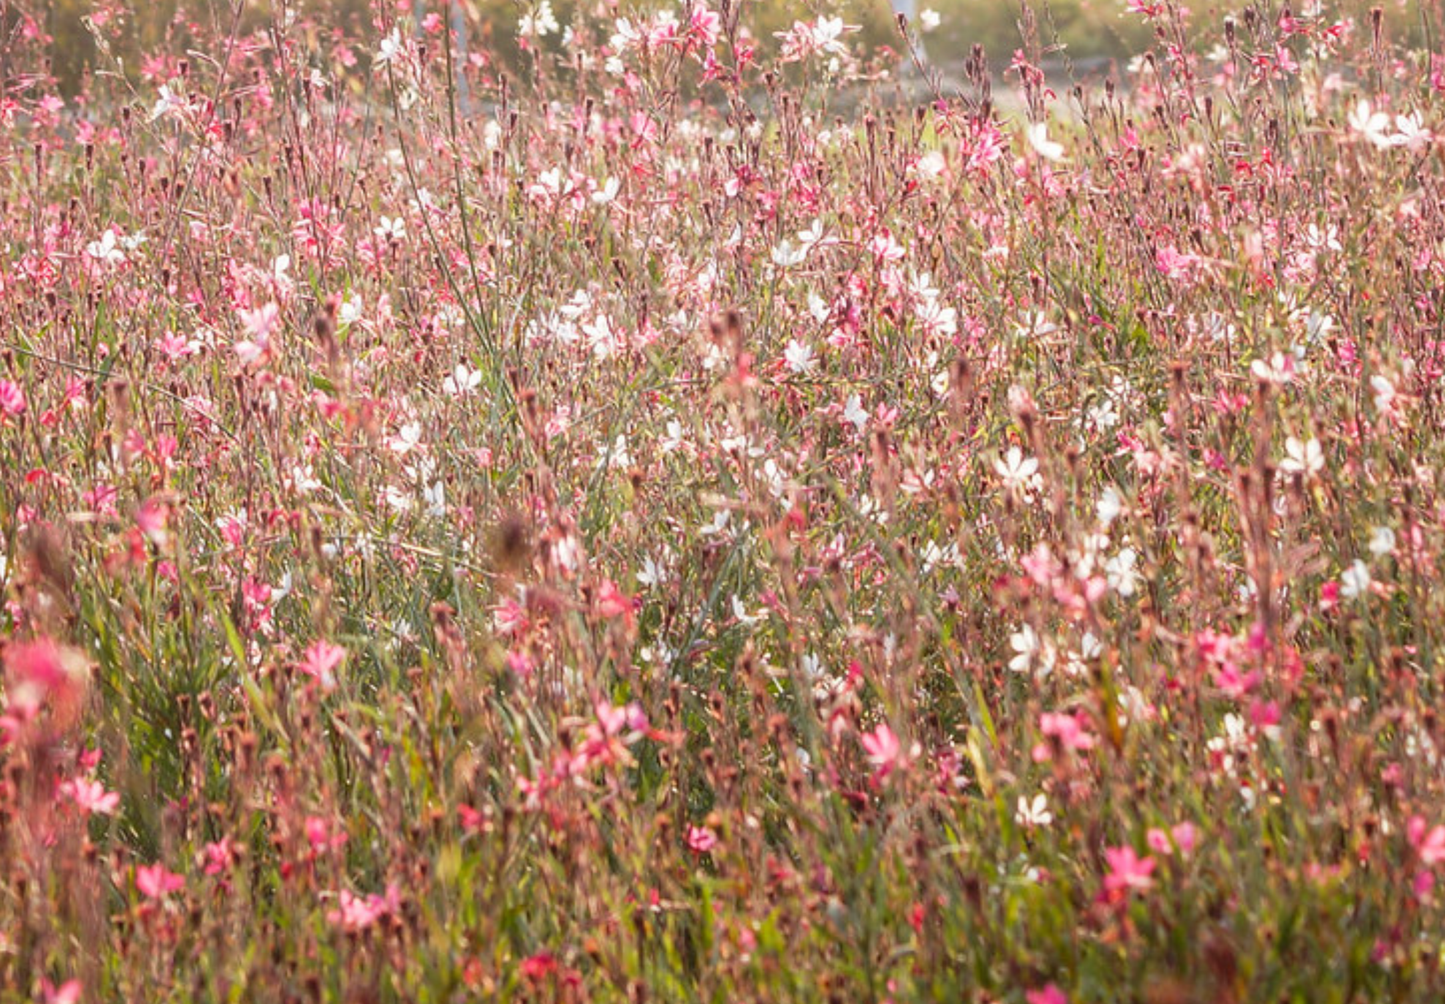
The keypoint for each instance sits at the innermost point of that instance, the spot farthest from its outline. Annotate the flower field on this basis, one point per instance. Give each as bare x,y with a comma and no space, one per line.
708,514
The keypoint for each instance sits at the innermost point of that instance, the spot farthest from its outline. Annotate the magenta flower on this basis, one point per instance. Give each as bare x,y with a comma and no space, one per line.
1429,842
1049,993
357,913
1127,871
156,881
90,796
321,661
12,399
68,992
884,751
701,839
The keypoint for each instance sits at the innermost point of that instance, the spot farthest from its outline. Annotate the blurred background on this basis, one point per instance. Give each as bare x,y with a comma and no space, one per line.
1087,32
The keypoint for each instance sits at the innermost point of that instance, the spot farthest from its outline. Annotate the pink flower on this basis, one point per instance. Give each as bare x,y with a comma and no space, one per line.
12,399
219,856
705,25
356,913
613,602
1066,730
536,967
320,837
321,662
701,839
615,720
884,751
1127,871
260,322
1428,842
607,739
1176,264
1047,994
90,796
1423,883
156,881
1235,684
38,673
67,993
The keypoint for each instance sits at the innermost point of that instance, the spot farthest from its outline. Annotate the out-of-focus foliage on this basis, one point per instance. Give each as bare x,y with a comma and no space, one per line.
1088,28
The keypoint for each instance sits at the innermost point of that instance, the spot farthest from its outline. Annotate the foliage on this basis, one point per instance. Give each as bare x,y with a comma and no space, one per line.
670,514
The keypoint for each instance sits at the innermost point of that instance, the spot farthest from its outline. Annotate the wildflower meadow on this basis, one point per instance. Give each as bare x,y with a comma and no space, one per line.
695,507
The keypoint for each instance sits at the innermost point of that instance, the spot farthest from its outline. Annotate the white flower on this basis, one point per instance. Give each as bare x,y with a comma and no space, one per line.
740,613
390,229
938,319
1327,239
799,357
168,101
539,23
933,555
1018,472
653,572
621,457
674,438
391,47
814,237
1104,415
1318,326
1305,458
1217,326
604,340
1038,137
941,383
1035,813
1031,652
407,438
1109,506
928,19
1035,324
607,192
567,553
303,479
1122,575
1412,133
786,256
810,665
930,165
350,310
435,498
1382,541
1384,392
1355,581
397,499
1024,642
1371,125
854,412
106,250
462,381
828,33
